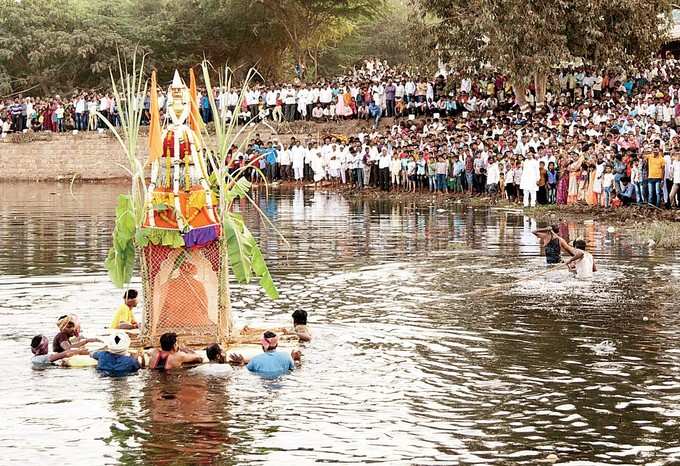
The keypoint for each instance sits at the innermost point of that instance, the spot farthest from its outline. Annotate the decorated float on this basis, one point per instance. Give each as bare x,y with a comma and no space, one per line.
178,218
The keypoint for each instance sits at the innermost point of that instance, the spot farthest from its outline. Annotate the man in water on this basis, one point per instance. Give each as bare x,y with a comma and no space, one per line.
271,362
300,325
552,243
68,337
116,360
170,356
217,364
40,349
582,262
124,317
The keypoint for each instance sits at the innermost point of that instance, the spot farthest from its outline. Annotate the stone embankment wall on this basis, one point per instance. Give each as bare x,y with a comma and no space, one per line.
85,156
98,156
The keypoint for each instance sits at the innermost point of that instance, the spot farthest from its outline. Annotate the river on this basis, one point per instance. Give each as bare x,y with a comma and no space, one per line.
405,368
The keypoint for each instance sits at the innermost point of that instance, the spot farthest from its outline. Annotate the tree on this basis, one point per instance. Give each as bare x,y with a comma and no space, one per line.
60,41
387,36
526,39
311,25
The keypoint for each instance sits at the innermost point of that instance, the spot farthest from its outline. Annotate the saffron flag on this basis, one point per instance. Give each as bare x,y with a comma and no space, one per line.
155,143
195,121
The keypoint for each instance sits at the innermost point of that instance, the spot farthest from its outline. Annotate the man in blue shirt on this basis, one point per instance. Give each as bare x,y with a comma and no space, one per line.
270,363
270,156
627,191
116,360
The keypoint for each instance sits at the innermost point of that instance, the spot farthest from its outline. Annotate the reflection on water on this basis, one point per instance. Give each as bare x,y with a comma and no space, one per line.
407,367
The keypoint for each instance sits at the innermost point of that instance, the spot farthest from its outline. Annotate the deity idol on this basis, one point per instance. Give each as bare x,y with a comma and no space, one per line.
181,259
179,196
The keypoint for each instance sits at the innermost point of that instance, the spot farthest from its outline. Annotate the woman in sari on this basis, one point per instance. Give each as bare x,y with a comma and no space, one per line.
340,106
591,198
582,176
563,183
574,174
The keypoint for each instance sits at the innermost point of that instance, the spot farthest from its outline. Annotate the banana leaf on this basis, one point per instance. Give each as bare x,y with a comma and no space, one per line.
238,248
120,260
261,270
239,189
245,257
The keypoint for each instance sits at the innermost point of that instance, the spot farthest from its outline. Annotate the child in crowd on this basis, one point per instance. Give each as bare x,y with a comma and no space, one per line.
607,186
552,183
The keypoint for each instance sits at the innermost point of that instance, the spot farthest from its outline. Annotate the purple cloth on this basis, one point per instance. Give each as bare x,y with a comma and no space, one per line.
201,236
390,92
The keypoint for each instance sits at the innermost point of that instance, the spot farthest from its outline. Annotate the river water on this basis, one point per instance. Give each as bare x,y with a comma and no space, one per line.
405,368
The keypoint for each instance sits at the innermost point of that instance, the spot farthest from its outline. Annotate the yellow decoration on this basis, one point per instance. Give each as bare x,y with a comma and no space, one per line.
196,199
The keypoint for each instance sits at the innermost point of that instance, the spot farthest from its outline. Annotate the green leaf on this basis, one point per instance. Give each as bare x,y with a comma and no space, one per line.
238,248
245,257
120,260
239,189
261,270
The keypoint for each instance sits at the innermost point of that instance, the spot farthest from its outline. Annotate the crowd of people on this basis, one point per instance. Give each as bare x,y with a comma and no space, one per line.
602,138
599,136
115,358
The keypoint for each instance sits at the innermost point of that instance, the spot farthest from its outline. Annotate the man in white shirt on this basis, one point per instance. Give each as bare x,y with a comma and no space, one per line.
285,157
384,163
232,100
303,103
493,176
400,91
252,97
81,118
581,263
289,104
270,100
104,109
410,89
298,159
529,180
325,96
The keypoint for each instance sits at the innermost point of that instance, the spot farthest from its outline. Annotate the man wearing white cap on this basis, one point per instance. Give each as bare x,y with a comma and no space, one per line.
115,359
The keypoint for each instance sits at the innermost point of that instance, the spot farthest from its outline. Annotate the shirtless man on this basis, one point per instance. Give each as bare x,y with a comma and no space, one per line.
581,263
170,356
553,244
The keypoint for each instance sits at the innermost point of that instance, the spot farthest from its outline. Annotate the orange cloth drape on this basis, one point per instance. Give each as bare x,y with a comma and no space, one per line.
195,121
155,143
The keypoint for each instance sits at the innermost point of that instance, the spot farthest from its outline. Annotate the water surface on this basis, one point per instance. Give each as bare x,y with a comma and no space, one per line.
405,368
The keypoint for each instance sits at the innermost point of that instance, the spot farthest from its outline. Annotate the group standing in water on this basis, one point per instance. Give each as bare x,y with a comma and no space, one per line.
115,358
581,263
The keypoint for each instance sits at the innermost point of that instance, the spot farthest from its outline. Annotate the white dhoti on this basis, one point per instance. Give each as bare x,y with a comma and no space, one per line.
529,181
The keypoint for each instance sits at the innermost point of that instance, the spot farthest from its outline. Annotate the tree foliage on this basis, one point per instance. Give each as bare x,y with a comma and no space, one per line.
62,39
388,35
55,45
528,37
